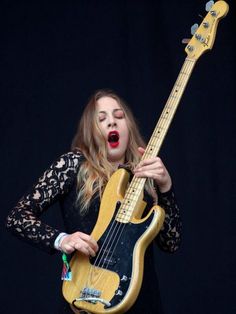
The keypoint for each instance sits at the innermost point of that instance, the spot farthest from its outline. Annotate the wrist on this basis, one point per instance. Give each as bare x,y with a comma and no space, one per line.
165,189
58,241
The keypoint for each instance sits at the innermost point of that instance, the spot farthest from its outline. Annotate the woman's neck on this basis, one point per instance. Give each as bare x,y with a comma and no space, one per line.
115,164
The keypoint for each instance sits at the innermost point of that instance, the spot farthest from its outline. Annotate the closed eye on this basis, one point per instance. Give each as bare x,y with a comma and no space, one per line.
119,114
101,117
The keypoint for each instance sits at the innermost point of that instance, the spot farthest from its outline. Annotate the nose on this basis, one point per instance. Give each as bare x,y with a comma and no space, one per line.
111,122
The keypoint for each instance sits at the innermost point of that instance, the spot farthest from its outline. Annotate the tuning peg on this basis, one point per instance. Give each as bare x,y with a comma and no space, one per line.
194,28
209,5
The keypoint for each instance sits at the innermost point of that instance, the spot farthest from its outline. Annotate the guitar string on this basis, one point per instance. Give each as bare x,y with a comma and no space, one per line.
118,226
111,241
163,122
118,234
99,258
118,223
112,229
112,237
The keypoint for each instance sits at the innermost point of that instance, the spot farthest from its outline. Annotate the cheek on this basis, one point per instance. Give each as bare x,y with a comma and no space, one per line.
126,134
101,127
100,136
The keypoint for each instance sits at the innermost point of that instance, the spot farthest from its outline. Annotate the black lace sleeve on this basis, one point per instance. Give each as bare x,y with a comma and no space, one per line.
169,237
23,221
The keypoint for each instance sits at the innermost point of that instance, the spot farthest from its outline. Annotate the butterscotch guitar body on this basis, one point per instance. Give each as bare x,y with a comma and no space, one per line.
110,282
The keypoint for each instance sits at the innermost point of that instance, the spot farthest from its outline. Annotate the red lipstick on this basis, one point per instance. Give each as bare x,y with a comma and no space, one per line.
113,139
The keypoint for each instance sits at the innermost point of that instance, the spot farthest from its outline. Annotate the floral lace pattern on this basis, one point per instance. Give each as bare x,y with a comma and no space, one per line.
169,236
24,222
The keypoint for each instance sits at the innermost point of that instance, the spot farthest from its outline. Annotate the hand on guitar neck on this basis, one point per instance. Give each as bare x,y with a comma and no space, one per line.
155,169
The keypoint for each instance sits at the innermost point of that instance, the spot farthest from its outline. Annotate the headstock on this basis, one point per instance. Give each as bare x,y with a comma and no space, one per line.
204,36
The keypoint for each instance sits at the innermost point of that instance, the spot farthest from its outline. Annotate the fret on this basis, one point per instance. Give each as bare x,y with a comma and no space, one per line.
154,136
127,214
173,96
158,131
164,117
178,85
130,200
183,73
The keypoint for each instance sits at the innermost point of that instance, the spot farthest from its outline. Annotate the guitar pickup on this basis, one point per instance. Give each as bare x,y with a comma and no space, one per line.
109,261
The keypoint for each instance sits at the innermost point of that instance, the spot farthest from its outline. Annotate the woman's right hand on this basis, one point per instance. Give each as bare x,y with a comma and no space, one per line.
79,241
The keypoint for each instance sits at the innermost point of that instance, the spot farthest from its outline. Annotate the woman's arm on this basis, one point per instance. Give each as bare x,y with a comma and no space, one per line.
23,221
169,237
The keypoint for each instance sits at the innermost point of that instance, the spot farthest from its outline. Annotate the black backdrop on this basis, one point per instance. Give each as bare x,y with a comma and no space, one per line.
54,55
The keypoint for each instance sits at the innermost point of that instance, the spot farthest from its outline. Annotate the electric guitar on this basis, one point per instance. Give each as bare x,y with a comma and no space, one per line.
111,281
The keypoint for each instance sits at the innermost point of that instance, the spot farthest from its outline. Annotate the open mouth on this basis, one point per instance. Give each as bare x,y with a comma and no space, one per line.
113,138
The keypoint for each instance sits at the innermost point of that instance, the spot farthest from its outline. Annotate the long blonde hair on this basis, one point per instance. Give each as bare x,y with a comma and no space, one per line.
96,170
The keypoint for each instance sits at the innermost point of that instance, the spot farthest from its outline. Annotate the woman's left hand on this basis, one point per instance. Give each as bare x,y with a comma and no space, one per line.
154,168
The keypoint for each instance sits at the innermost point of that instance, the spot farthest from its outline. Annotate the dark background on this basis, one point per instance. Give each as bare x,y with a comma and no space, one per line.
54,55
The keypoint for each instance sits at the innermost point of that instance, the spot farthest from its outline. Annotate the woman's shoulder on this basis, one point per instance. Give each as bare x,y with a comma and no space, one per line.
75,154
69,160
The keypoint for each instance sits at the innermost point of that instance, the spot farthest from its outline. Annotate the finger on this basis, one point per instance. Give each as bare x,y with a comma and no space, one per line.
144,174
141,150
158,176
91,251
84,248
67,248
150,161
151,167
93,244
90,241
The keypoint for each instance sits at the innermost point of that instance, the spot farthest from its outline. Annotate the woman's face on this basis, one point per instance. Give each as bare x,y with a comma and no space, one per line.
113,125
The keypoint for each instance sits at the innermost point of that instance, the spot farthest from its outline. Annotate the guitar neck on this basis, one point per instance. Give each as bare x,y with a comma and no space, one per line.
159,133
136,186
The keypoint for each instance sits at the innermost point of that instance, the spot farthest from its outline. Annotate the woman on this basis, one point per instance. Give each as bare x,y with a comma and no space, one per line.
107,137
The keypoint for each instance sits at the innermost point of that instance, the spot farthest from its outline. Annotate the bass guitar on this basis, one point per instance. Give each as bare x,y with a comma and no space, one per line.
111,281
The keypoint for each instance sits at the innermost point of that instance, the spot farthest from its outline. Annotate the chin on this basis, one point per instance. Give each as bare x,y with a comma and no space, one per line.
115,156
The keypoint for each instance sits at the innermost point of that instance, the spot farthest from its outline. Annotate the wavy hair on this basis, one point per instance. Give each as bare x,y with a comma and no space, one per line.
96,170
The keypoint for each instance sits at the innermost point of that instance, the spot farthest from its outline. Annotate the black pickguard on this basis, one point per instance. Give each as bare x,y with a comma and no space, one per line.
116,254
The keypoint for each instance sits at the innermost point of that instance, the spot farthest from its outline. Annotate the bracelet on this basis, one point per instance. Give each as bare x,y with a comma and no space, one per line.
57,243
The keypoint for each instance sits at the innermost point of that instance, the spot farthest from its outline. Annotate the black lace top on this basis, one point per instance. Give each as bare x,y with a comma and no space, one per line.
59,183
